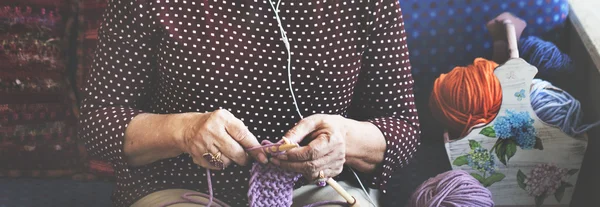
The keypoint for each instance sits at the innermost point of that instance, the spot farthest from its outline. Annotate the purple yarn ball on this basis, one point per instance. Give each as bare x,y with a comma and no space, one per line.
454,188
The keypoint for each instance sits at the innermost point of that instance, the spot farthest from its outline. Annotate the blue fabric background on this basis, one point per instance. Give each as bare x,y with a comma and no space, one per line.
445,33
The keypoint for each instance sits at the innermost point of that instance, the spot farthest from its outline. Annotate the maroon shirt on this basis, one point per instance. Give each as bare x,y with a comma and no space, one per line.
171,56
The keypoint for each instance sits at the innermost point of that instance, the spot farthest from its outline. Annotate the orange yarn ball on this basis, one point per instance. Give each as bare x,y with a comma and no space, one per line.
466,97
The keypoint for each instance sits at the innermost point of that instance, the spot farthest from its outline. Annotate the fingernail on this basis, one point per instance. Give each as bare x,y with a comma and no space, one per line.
274,161
264,160
282,157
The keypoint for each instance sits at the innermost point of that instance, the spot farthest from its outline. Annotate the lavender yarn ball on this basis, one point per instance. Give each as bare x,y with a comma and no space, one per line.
454,188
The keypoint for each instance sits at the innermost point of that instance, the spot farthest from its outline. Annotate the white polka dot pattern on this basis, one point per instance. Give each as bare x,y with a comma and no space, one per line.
170,56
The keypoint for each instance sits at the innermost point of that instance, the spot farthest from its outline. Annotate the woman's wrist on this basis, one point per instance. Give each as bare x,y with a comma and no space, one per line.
181,125
365,145
152,137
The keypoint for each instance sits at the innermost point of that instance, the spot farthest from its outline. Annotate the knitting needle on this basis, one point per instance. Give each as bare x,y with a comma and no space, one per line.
283,147
349,198
287,145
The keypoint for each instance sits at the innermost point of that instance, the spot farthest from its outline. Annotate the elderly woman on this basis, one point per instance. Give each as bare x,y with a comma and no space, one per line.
180,86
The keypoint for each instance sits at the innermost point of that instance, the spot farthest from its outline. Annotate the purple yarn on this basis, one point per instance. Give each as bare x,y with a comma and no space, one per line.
322,203
454,188
188,197
271,186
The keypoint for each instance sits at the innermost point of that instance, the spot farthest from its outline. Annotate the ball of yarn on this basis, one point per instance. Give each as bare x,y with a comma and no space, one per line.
466,97
454,188
544,55
556,107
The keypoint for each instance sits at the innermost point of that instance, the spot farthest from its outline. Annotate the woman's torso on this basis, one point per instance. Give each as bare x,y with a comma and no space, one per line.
229,54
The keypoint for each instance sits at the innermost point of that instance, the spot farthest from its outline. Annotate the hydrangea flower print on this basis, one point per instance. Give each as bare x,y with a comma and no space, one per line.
502,128
526,138
514,129
482,160
545,180
517,125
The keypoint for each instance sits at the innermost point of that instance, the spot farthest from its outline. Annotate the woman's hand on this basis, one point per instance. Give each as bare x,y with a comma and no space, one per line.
326,151
218,135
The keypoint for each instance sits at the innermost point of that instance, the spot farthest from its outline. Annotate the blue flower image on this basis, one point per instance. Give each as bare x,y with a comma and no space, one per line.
520,94
526,137
482,160
517,125
502,128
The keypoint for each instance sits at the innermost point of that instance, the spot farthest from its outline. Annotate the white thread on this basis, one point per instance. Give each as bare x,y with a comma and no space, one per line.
289,53
363,187
289,69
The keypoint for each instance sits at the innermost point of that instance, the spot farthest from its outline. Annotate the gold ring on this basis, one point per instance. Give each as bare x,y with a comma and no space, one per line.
214,160
321,175
322,181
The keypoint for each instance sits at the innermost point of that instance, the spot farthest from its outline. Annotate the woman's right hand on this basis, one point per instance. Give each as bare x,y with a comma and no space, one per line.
218,132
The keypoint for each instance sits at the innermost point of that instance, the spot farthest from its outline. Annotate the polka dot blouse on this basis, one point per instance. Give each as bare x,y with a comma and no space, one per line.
349,57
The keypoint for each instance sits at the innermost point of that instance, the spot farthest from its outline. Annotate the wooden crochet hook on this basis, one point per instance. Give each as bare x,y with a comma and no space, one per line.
287,145
497,29
513,47
349,198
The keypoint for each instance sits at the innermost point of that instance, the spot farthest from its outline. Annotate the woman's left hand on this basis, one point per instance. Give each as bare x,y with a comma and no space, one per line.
326,151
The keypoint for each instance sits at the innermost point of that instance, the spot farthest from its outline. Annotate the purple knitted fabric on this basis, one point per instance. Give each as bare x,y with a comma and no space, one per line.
271,186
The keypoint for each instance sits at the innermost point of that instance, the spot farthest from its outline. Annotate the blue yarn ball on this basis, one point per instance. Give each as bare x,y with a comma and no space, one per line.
546,56
556,107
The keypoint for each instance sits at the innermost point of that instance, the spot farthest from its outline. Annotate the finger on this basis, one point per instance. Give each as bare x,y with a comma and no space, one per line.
218,155
307,167
303,128
200,157
226,160
195,151
330,165
311,165
327,173
203,163
240,133
231,149
317,148
333,168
